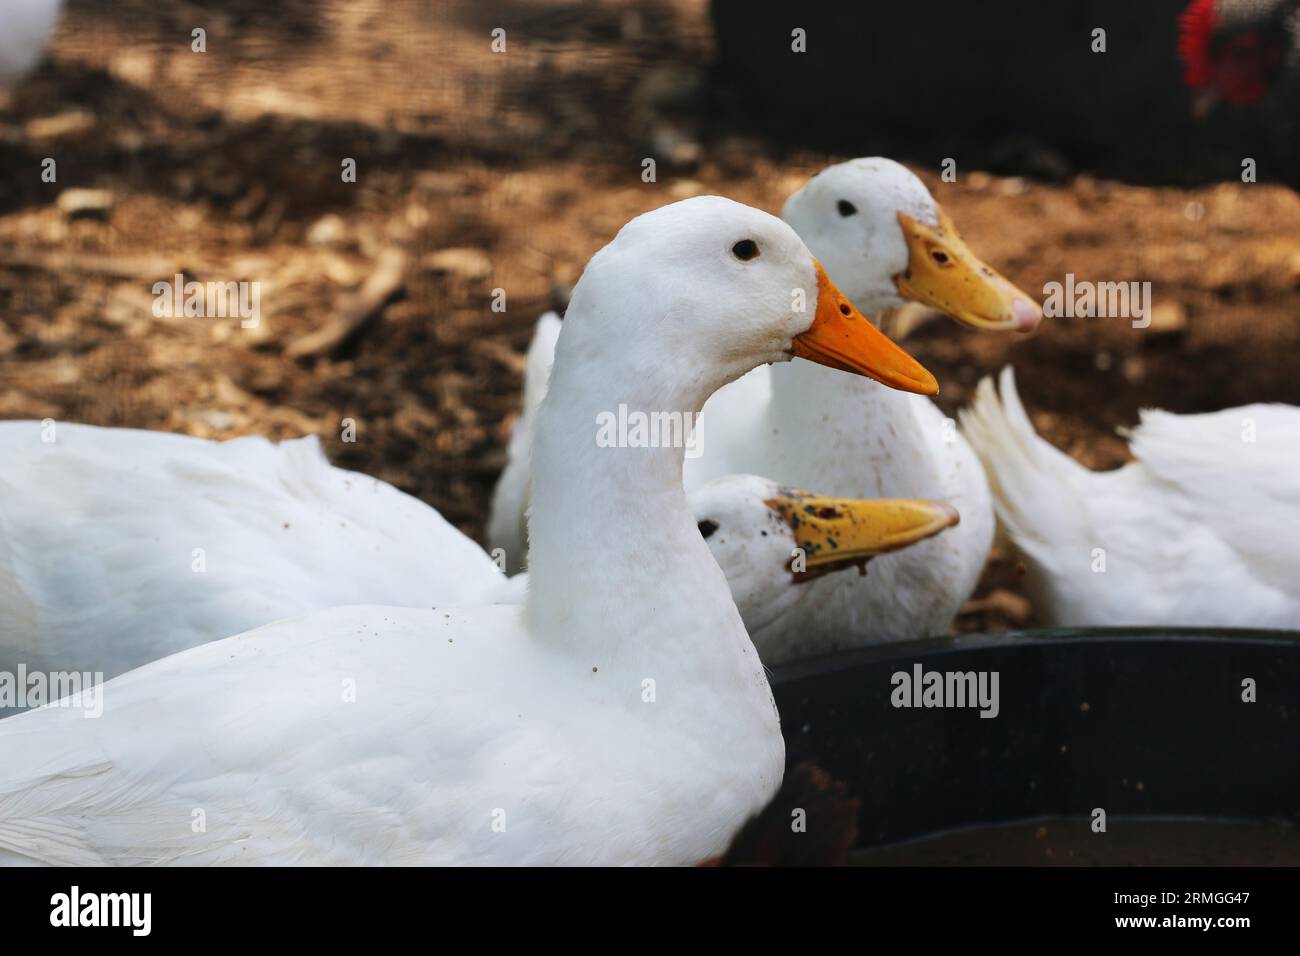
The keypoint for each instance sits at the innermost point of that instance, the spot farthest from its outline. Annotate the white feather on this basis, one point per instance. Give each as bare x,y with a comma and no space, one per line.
1195,532
122,546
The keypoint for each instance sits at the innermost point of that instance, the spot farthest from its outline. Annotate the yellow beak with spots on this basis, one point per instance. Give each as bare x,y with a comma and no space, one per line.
835,533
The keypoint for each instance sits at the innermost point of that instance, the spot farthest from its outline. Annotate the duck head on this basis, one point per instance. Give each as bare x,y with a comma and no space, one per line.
883,237
716,288
770,540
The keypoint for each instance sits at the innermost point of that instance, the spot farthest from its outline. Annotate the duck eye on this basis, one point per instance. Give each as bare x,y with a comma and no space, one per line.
940,257
745,250
846,208
707,528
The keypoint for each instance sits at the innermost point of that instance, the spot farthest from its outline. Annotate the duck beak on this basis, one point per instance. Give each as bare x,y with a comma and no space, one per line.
841,337
942,272
836,533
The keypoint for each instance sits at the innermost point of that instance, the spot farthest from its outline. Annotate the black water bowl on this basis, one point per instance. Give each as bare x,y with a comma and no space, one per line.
1148,726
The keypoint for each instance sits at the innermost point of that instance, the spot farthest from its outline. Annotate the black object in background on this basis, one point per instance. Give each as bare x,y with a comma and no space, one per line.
1139,723
1009,85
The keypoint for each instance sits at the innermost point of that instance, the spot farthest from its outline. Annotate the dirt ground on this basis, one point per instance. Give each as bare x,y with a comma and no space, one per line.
225,165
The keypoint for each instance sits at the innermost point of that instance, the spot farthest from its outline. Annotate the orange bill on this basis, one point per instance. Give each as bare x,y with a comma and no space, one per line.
842,338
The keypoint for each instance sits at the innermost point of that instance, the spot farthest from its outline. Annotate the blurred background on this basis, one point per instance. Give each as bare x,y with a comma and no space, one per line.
479,170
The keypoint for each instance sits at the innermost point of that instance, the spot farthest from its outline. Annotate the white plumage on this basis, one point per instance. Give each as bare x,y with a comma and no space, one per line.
621,716
508,520
460,720
872,442
1199,530
122,546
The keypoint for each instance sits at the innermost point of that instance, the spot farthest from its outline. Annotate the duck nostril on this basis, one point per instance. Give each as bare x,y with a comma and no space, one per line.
844,308
939,257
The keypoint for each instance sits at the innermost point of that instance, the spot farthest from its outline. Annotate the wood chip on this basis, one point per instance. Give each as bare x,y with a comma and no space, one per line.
85,203
383,285
63,126
119,267
1168,318
461,261
502,354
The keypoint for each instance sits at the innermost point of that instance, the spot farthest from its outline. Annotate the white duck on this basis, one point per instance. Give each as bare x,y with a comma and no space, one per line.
621,716
884,239
124,546
1199,530
25,28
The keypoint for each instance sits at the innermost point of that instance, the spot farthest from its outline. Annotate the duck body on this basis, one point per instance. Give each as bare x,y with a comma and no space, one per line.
123,546
565,766
25,28
1197,531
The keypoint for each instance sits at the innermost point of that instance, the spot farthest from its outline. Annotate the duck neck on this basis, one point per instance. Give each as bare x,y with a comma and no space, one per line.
887,448
803,393
617,565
